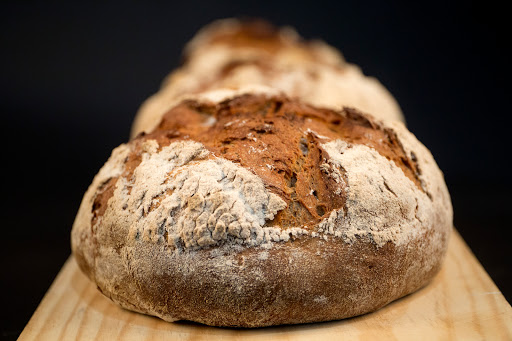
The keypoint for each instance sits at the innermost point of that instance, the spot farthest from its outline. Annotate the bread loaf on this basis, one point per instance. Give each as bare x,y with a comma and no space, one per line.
231,54
250,208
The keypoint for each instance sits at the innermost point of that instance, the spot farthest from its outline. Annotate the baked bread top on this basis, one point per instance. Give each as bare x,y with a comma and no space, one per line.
259,38
306,167
233,54
236,192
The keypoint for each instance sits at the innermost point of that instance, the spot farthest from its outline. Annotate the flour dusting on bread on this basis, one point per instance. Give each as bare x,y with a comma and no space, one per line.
245,205
381,200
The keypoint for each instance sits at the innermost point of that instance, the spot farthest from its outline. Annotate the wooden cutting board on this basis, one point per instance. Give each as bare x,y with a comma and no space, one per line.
461,303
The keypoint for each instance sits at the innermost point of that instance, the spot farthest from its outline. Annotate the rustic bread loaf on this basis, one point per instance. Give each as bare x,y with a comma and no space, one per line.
231,54
248,208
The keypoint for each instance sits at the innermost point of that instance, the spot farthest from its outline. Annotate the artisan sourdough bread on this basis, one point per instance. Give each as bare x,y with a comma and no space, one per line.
249,208
233,54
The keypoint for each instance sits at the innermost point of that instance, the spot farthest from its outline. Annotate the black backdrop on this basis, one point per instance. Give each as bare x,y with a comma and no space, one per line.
73,76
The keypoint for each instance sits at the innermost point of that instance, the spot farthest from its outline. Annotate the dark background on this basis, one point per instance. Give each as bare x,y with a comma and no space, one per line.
74,75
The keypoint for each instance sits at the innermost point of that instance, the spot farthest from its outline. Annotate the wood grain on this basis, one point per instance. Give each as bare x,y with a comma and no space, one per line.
461,303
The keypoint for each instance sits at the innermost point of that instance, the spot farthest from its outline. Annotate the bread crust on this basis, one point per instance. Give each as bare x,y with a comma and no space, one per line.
175,228
233,54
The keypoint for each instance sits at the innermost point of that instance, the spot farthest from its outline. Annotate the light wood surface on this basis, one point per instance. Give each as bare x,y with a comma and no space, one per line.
461,303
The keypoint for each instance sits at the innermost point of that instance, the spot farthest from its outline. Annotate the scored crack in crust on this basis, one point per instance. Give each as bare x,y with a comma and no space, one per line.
233,54
248,208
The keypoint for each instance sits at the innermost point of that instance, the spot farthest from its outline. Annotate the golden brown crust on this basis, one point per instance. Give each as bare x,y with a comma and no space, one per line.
278,139
262,36
307,280
182,225
233,54
255,33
